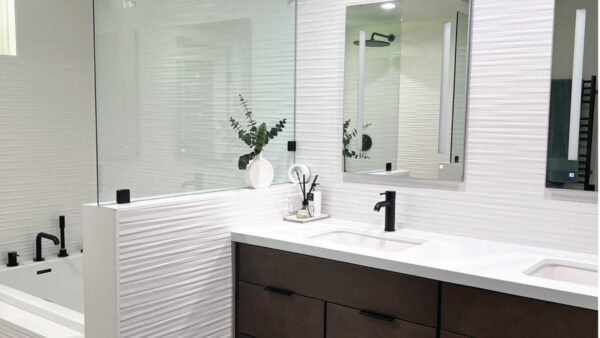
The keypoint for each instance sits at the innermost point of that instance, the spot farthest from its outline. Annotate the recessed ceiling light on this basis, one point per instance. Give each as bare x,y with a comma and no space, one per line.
388,5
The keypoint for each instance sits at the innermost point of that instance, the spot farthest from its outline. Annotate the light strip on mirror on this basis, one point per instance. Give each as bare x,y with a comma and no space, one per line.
444,88
576,84
361,88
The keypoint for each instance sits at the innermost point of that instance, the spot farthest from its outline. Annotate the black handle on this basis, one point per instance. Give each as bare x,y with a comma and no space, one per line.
376,315
278,291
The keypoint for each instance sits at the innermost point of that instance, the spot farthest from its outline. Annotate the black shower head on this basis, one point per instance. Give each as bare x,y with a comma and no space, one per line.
377,43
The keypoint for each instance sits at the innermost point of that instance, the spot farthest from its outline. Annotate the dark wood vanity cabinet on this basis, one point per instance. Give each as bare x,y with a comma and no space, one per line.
483,313
281,294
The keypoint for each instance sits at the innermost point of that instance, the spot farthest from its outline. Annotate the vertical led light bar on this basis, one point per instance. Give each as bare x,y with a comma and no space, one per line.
361,88
577,77
444,88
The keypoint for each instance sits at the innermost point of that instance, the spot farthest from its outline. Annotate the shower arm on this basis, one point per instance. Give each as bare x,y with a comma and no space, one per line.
390,37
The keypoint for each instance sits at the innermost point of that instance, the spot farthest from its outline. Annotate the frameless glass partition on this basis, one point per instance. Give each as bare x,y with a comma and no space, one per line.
169,75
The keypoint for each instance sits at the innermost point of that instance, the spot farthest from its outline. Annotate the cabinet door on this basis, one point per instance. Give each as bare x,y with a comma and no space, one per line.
272,313
487,314
345,322
402,296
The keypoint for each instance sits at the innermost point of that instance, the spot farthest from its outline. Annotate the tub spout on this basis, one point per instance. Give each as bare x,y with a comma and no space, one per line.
38,244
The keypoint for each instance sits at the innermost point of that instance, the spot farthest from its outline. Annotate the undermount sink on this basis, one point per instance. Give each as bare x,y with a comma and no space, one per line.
579,273
366,241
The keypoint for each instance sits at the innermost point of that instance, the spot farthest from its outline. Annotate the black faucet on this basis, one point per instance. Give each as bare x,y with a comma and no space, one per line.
390,209
38,244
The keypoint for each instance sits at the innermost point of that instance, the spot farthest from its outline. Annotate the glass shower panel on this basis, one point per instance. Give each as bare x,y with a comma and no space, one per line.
168,77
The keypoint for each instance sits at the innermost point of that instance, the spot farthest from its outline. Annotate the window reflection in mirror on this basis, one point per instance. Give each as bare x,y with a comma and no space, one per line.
572,130
405,89
8,39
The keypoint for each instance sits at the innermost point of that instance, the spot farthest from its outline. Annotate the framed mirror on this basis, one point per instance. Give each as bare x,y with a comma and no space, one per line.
405,91
573,125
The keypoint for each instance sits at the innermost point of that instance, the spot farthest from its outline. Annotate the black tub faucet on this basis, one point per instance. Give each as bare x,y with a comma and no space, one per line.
62,252
390,209
38,244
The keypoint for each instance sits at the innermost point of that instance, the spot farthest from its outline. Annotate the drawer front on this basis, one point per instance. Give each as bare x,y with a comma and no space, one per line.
401,296
482,314
344,322
274,314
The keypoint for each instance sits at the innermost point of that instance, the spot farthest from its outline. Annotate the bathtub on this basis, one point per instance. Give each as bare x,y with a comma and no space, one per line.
42,299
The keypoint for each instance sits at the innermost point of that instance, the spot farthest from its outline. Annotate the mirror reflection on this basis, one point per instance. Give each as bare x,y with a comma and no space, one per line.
405,89
572,129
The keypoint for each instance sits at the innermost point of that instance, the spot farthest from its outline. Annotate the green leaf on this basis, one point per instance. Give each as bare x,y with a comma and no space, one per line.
261,137
247,139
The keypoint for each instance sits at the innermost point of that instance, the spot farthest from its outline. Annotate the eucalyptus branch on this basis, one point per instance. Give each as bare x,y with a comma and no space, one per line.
257,137
347,137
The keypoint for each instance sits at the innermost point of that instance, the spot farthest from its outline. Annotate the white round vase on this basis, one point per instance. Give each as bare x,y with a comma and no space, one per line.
259,173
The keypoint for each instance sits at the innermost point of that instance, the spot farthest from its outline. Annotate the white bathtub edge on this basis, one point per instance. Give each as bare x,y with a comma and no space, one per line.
40,308
24,323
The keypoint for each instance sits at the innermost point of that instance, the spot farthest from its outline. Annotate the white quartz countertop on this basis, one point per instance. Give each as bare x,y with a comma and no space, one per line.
472,262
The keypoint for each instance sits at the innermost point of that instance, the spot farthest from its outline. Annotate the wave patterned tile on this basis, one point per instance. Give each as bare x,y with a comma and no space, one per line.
175,261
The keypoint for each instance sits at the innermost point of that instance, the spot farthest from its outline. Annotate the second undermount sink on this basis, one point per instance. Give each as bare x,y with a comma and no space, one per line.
579,273
366,241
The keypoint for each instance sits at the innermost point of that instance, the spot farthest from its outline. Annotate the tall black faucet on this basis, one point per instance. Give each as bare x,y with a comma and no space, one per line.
390,209
38,244
61,224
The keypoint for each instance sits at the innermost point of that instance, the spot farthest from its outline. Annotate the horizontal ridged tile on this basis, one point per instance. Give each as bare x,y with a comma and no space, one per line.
47,146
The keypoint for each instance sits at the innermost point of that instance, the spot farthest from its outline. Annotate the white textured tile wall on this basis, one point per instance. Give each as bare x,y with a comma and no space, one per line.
173,268
47,148
506,138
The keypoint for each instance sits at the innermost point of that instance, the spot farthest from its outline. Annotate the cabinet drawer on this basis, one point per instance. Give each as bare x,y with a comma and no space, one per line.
274,314
487,314
401,296
344,322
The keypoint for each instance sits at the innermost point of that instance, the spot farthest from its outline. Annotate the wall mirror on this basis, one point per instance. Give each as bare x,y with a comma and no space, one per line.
572,131
405,90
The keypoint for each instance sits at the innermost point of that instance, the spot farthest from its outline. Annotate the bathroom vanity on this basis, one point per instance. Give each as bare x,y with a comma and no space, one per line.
316,287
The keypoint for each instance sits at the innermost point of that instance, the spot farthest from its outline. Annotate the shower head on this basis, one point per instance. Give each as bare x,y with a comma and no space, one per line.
377,43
